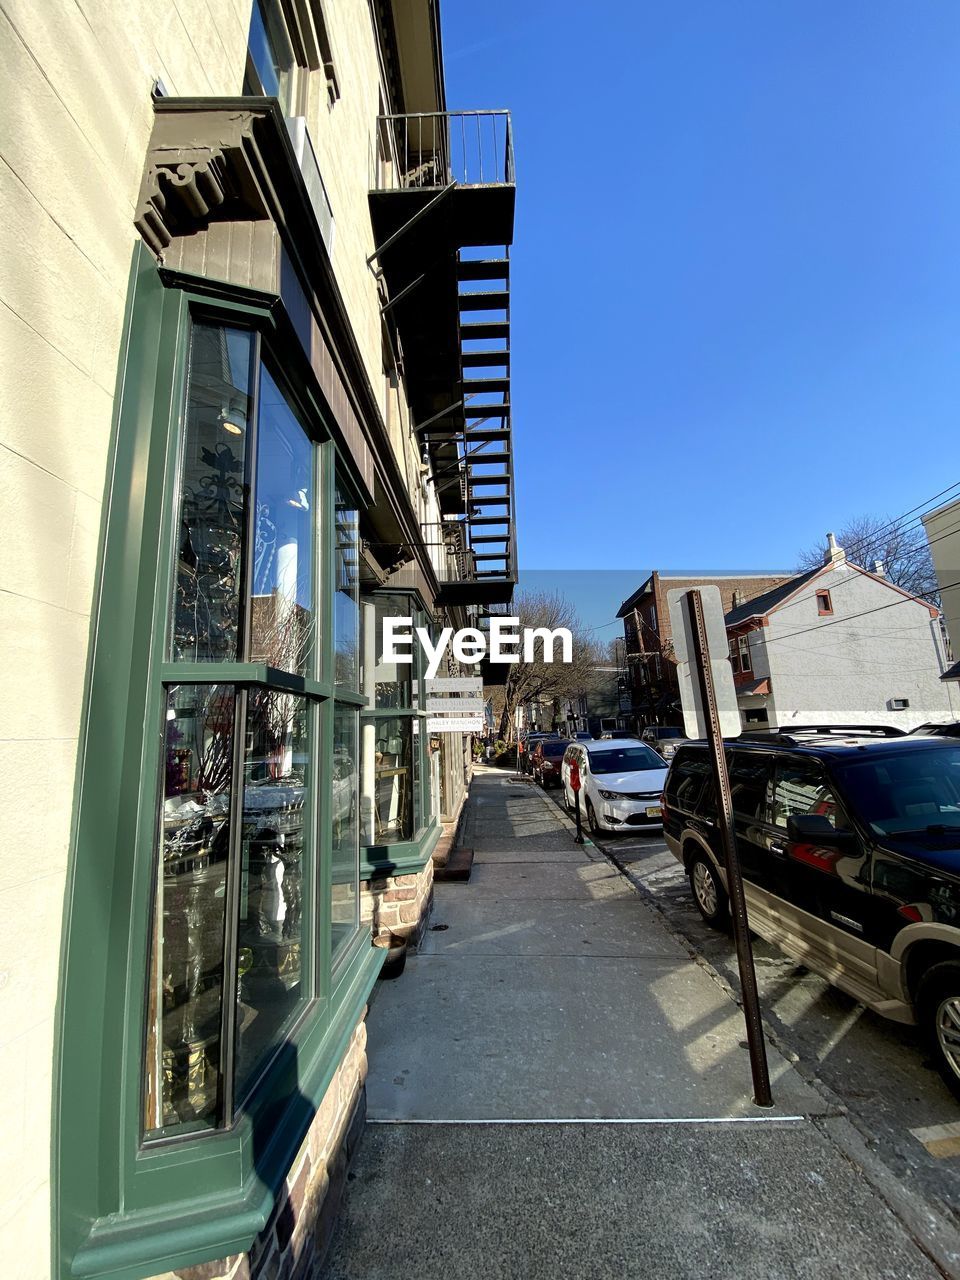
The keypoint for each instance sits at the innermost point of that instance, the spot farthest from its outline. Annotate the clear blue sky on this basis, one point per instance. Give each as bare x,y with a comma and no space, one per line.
736,286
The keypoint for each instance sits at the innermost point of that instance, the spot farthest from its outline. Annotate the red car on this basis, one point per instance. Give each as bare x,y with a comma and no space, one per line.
546,759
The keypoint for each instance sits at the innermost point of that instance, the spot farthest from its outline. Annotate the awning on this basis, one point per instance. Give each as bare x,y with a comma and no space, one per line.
755,686
952,673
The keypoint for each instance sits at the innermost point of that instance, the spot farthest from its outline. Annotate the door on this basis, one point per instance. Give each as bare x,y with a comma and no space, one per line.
831,884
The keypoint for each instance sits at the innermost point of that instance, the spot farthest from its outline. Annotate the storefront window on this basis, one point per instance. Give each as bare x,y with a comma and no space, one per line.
235,890
393,779
281,622
346,609
206,604
391,680
276,769
186,982
344,889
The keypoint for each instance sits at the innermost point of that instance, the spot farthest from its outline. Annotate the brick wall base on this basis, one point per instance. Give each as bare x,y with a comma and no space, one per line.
296,1238
397,907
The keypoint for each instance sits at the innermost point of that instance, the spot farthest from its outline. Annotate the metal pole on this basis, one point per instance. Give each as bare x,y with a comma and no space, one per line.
578,838
738,904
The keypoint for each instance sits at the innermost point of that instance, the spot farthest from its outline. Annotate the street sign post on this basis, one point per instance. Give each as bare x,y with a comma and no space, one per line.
700,627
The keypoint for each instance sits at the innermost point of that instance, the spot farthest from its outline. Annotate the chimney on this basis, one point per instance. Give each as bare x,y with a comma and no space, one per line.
834,554
878,568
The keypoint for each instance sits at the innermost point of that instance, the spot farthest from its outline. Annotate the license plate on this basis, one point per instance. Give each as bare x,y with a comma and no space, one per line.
654,811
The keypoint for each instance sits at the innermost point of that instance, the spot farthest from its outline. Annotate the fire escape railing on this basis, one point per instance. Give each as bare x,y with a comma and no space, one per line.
431,150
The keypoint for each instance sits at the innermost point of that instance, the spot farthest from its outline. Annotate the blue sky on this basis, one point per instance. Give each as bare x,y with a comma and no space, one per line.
736,277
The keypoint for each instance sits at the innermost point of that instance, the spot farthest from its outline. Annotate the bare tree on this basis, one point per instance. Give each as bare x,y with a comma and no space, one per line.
540,680
902,548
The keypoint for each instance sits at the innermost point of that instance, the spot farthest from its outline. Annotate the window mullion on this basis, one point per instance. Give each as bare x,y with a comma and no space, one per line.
228,1012
250,522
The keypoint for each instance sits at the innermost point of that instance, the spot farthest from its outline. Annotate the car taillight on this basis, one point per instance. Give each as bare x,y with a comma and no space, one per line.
663,804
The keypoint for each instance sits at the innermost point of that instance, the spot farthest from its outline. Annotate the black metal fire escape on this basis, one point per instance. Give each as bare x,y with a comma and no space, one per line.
442,205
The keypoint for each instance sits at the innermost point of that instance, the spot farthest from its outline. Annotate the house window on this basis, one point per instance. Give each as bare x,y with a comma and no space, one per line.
824,604
734,655
271,69
743,646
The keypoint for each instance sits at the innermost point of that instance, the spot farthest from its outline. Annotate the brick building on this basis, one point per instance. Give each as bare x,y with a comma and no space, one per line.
651,666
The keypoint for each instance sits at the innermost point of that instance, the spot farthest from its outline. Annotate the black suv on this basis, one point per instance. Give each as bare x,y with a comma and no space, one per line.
850,848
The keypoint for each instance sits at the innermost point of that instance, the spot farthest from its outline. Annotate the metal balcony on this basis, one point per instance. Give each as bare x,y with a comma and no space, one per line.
442,206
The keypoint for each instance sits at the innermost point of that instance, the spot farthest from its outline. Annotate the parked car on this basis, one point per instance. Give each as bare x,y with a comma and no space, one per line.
621,782
949,730
850,850
546,759
664,738
529,743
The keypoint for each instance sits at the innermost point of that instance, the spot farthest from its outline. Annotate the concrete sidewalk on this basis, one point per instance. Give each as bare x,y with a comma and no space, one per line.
557,1089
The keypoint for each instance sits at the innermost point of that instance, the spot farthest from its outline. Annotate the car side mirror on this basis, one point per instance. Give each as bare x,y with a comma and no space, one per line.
815,828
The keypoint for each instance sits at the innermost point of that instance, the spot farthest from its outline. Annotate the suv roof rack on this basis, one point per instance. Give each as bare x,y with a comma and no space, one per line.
795,734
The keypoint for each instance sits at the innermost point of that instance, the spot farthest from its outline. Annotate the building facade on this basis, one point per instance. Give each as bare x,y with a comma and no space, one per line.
256,374
942,528
651,665
839,645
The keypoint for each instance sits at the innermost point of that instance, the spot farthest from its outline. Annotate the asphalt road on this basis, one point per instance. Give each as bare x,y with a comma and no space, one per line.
876,1069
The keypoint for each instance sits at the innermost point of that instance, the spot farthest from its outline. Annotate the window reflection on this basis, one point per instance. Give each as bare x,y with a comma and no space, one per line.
391,680
346,609
281,631
186,985
393,780
206,606
346,833
276,767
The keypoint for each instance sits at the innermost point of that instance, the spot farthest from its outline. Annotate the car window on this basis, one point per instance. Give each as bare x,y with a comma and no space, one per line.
749,778
687,782
799,787
905,792
625,759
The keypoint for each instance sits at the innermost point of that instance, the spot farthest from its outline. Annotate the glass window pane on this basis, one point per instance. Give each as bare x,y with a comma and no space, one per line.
270,51
206,605
346,608
392,779
801,789
281,619
344,919
391,681
277,766
186,973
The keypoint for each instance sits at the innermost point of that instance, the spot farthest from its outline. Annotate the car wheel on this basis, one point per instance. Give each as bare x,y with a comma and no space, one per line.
592,821
708,893
567,804
938,1014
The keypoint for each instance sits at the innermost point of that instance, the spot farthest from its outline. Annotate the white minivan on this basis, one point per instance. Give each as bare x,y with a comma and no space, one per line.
620,784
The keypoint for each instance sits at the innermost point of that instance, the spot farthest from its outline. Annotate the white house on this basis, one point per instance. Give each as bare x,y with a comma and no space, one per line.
839,645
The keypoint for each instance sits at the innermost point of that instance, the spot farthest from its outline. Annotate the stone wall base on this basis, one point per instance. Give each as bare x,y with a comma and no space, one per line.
296,1238
397,907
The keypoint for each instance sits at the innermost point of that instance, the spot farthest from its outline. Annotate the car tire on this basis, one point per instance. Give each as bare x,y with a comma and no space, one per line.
938,1016
708,893
593,822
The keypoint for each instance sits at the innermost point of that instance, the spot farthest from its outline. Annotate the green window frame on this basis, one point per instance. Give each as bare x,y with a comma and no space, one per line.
399,829
124,1206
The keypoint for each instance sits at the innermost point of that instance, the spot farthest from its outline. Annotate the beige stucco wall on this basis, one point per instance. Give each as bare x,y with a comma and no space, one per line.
75,117
943,534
